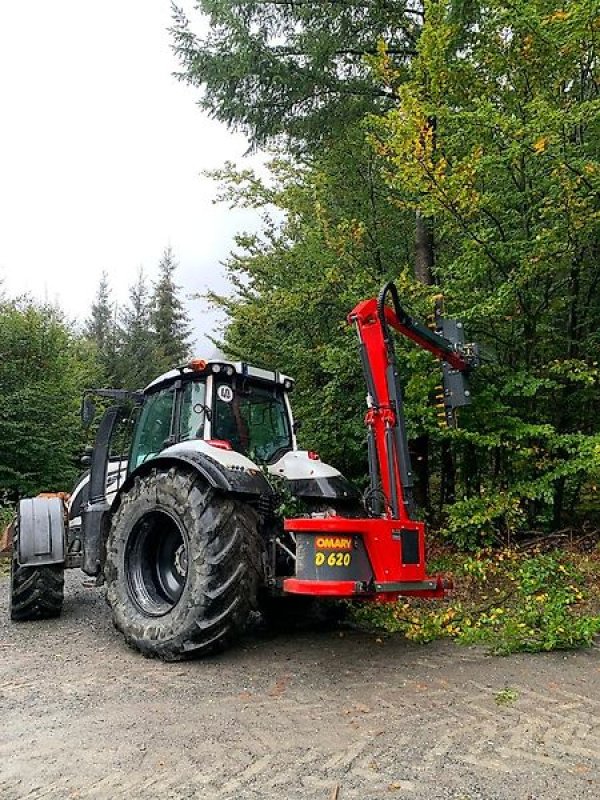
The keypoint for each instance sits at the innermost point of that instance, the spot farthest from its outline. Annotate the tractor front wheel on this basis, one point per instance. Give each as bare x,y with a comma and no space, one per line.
183,565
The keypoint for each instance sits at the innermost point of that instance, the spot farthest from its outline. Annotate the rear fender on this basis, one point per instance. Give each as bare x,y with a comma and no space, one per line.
249,482
97,516
311,479
42,531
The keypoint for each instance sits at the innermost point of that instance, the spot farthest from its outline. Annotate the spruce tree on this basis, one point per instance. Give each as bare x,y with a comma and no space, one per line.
168,317
100,328
137,365
300,69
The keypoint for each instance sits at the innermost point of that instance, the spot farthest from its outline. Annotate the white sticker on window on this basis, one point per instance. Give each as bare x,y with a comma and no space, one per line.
225,393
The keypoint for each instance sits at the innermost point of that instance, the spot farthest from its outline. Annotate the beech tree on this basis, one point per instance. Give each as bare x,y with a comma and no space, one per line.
511,173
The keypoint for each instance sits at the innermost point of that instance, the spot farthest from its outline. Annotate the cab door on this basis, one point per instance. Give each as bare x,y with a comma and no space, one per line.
154,429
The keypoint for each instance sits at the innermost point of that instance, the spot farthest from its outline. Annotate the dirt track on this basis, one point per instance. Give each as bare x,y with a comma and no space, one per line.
291,718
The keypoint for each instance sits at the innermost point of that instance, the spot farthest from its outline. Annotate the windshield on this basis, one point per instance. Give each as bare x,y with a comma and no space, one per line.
253,420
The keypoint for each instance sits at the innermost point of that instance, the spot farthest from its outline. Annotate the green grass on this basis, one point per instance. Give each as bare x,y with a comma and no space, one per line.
506,697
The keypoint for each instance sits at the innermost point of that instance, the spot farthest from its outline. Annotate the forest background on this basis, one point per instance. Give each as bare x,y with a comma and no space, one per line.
451,146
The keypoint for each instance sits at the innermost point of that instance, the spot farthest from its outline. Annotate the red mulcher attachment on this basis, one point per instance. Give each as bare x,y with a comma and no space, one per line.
374,558
382,556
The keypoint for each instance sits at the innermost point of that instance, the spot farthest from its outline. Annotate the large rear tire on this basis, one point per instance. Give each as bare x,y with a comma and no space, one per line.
183,565
36,592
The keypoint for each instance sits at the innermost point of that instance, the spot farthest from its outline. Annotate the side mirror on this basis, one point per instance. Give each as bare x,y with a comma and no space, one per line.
297,425
88,411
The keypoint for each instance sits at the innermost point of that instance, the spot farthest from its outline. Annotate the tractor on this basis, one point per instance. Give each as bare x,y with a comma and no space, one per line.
185,529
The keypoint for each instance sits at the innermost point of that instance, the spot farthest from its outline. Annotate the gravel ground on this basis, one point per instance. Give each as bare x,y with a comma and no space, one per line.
311,716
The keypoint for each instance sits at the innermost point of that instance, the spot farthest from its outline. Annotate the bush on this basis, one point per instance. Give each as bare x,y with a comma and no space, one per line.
509,601
43,369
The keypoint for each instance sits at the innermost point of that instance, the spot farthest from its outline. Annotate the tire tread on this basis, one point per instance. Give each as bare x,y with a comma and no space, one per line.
36,592
226,562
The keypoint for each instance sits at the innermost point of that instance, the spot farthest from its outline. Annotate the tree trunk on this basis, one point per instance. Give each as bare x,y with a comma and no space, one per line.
420,464
448,478
559,494
424,252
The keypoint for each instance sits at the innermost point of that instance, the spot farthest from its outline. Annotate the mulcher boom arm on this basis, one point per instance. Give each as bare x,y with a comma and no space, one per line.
382,556
389,459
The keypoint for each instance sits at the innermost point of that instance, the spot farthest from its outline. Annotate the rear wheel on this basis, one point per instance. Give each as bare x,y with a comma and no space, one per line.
183,565
36,592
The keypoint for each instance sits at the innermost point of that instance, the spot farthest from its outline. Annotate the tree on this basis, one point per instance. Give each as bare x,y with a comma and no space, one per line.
136,366
511,172
488,127
303,71
100,328
43,369
296,69
496,138
340,240
168,318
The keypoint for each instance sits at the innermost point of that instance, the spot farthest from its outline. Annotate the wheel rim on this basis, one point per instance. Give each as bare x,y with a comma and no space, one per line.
156,563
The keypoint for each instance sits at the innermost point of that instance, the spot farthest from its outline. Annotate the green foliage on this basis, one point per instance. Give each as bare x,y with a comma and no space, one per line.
45,365
43,369
288,504
6,516
506,696
289,68
508,601
168,318
101,330
136,366
149,336
296,283
545,615
496,137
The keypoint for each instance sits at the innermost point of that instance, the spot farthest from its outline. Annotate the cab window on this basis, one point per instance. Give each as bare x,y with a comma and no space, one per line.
153,428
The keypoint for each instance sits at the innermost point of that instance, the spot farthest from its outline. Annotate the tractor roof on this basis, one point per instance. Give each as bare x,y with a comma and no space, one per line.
198,366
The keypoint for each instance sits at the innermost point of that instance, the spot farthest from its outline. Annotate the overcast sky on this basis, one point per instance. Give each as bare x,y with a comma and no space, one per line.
101,154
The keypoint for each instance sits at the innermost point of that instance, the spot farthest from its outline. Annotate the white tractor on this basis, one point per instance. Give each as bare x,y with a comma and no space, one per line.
184,530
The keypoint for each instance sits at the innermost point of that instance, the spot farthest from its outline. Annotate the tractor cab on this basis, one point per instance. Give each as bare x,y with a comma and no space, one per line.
225,405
